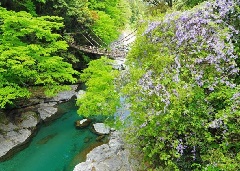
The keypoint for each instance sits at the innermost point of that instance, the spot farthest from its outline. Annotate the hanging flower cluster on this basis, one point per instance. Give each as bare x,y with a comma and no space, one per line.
202,42
187,101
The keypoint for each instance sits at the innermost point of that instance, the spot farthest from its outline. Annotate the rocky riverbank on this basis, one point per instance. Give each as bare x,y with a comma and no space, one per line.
20,126
107,157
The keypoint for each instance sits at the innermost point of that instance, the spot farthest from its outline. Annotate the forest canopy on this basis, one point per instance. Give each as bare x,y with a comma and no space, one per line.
30,55
35,37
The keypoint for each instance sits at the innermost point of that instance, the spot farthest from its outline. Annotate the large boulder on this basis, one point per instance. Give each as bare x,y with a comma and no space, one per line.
64,95
83,123
47,110
101,129
107,157
14,135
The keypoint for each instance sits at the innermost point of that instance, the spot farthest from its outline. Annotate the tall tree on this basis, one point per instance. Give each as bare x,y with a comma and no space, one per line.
30,54
100,97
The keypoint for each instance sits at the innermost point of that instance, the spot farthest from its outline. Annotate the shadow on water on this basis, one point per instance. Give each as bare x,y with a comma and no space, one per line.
46,139
81,155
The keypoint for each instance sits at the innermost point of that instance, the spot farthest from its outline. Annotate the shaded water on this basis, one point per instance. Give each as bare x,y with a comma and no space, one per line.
56,147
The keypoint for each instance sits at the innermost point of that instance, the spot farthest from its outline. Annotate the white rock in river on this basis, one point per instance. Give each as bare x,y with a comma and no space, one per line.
83,123
46,110
101,128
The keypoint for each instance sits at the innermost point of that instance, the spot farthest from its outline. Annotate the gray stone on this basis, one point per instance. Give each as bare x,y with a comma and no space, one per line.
8,127
100,153
13,139
101,128
46,110
86,166
107,157
114,162
18,136
5,146
15,134
30,120
101,167
65,95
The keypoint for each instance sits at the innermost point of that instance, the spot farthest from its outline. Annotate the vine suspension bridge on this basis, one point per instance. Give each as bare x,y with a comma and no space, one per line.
117,49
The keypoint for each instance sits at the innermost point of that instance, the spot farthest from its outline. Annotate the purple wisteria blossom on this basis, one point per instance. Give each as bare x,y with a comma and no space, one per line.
236,99
194,152
190,68
151,27
224,7
150,87
181,147
202,35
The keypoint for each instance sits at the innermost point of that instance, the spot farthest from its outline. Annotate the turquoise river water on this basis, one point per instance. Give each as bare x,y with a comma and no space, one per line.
56,147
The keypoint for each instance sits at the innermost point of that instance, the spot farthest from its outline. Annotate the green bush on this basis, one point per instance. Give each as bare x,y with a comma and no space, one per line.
182,89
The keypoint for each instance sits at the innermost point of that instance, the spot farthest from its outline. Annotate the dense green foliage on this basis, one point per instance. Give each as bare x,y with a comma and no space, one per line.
183,87
111,16
182,81
159,2
170,3
182,77
104,21
92,18
33,45
30,55
100,97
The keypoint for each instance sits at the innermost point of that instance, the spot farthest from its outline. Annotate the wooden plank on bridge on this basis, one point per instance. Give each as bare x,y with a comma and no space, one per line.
99,51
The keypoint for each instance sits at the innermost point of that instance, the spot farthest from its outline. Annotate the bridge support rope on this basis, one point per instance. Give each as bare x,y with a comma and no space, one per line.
114,53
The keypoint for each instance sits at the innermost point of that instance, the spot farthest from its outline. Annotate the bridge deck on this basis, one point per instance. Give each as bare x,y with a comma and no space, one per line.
99,51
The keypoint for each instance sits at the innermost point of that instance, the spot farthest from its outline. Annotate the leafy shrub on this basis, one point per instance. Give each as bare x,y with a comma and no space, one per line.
183,90
105,27
100,97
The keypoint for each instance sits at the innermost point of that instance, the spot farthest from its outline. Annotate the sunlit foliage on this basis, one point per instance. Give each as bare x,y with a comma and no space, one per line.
112,16
100,97
29,55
